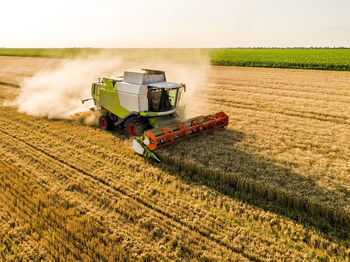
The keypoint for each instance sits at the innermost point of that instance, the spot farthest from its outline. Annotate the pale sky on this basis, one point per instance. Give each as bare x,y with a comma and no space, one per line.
176,23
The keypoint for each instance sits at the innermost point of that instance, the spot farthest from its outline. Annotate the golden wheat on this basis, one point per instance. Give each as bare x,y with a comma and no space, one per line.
192,208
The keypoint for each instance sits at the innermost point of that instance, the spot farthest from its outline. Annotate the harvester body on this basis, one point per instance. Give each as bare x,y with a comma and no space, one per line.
145,105
143,93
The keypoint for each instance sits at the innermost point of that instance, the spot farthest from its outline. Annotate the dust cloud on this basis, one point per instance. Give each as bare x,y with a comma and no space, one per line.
57,93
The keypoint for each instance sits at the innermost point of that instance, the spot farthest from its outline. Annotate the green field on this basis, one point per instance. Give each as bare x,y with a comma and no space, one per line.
322,59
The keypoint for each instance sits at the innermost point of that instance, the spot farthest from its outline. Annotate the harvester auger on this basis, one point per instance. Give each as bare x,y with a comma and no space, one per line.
145,105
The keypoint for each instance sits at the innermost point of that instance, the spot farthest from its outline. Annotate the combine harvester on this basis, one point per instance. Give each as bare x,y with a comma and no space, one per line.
147,107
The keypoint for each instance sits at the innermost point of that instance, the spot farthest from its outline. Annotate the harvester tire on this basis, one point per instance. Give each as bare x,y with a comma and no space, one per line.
135,126
105,122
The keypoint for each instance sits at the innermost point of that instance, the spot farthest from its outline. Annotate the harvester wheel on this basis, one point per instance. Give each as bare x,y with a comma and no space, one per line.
105,122
135,126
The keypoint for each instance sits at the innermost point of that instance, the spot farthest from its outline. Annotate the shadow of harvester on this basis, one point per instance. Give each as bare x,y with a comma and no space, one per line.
213,160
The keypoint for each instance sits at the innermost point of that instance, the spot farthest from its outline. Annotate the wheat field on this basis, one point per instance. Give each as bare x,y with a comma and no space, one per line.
269,187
